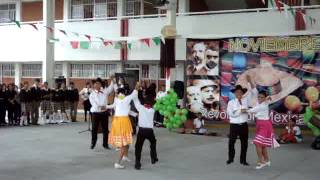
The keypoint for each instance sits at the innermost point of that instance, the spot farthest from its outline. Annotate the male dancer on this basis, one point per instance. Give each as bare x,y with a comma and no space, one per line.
238,116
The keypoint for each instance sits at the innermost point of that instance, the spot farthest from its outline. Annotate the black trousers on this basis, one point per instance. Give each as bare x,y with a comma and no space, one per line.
102,119
2,112
242,131
11,110
133,124
143,134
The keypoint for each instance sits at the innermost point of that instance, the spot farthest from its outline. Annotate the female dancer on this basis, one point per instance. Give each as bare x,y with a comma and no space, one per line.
120,135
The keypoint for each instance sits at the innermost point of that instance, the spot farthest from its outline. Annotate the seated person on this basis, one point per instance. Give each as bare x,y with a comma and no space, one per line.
292,133
198,125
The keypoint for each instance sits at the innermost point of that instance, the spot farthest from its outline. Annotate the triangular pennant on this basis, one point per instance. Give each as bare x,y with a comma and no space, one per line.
292,11
303,16
74,44
101,39
163,40
49,28
118,45
106,43
156,41
272,3
53,40
314,20
310,19
18,23
84,44
278,4
129,45
76,34
88,37
34,26
63,32
146,40
263,1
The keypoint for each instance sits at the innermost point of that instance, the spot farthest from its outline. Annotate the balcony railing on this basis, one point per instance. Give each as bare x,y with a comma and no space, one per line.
178,14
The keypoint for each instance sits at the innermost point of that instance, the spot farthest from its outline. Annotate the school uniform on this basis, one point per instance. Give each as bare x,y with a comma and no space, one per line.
36,100
73,100
25,99
145,124
11,105
85,93
2,107
46,106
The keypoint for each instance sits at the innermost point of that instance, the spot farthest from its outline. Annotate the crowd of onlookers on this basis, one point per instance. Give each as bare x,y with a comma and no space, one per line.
21,105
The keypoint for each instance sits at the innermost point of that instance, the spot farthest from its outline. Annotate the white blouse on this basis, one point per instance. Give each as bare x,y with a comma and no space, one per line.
260,111
122,106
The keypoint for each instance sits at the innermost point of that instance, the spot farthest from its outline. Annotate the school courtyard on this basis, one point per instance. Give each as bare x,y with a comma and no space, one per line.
59,152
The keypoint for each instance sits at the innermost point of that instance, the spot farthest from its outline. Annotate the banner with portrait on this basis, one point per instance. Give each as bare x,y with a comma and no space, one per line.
287,68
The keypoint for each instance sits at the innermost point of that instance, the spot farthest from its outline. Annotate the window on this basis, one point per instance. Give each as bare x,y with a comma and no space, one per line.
81,70
31,70
145,71
100,70
58,70
219,5
133,7
7,70
86,9
7,13
111,69
153,71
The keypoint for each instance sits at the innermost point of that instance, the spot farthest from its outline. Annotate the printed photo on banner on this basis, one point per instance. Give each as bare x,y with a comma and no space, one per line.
291,78
203,97
202,58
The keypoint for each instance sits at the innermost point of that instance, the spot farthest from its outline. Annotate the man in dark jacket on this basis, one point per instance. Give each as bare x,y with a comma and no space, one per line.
2,104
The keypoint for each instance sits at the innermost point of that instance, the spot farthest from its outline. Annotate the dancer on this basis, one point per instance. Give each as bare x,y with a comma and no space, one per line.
84,94
99,100
121,130
145,123
264,137
238,116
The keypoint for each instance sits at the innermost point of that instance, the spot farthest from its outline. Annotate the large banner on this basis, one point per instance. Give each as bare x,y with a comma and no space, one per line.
283,66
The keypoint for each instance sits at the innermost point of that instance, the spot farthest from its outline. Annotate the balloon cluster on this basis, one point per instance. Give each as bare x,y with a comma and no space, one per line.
167,106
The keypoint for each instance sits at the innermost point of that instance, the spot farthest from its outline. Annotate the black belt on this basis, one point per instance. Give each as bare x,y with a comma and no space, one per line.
145,128
239,124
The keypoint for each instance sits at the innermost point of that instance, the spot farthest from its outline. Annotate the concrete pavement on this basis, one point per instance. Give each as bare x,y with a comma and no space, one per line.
58,152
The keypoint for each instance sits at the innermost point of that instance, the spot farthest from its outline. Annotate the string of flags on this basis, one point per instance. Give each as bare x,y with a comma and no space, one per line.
293,11
94,41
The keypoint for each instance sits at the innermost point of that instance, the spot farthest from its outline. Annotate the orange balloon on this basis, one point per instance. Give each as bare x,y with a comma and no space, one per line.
292,103
312,94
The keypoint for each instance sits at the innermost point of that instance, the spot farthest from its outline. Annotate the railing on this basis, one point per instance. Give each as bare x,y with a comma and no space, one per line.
178,14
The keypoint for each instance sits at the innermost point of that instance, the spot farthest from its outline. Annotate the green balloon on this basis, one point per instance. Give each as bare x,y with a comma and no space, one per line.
184,111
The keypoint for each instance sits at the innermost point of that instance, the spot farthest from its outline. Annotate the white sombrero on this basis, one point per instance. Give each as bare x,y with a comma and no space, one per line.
281,83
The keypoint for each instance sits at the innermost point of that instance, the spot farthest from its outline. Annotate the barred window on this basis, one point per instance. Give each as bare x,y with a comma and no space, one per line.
7,12
58,70
31,70
100,70
81,70
84,9
145,71
133,7
153,71
7,70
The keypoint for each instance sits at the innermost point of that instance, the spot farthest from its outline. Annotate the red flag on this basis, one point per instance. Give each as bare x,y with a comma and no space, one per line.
88,36
34,26
74,44
62,31
147,41
50,29
279,5
106,43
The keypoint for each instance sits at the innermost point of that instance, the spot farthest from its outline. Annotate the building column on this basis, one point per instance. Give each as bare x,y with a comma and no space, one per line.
184,6
121,8
17,73
66,10
66,71
48,61
18,10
